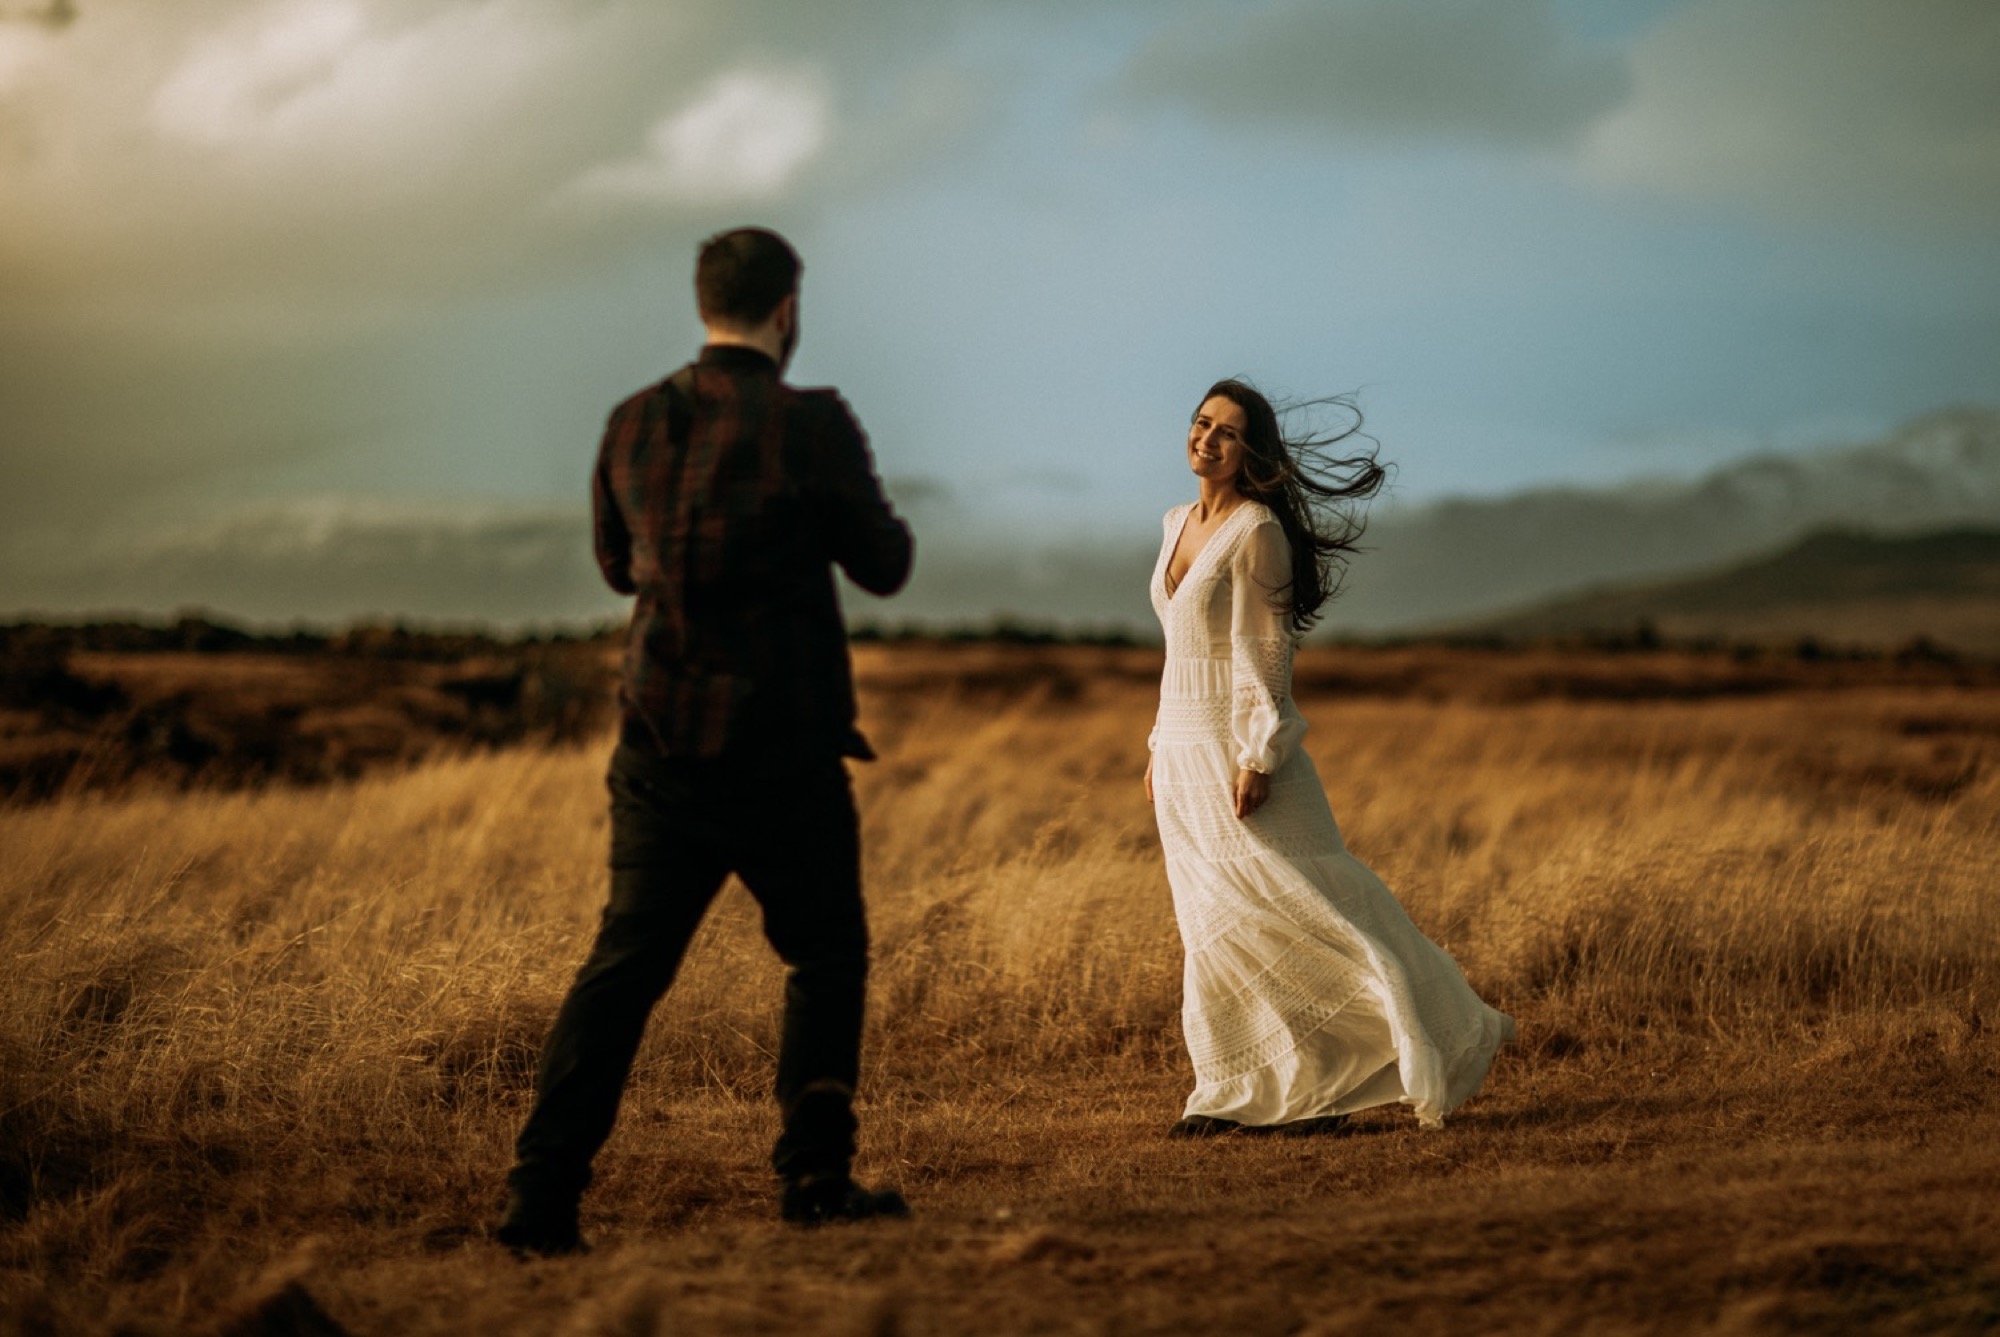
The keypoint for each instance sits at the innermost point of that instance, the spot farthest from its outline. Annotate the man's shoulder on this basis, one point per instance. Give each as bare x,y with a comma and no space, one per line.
824,408
823,398
650,397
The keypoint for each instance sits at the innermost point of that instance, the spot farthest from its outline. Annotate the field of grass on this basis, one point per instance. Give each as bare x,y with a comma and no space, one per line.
263,1052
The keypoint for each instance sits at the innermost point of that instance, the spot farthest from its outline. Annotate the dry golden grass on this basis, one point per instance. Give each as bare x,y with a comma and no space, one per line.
262,1054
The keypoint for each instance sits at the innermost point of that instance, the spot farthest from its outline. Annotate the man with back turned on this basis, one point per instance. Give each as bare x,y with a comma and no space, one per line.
723,498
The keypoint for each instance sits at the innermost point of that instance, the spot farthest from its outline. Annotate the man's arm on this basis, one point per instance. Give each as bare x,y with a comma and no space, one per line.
870,543
612,539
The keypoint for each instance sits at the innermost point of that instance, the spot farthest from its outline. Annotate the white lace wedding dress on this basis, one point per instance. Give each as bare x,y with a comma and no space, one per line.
1308,991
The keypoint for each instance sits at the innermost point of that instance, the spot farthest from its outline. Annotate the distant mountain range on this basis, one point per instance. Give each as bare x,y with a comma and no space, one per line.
1456,560
1838,588
1439,566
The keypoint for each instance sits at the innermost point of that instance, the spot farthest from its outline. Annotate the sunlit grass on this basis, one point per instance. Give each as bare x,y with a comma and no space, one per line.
235,1021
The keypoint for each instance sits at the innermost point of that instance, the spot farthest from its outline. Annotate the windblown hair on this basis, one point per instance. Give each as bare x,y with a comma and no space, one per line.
1309,486
740,276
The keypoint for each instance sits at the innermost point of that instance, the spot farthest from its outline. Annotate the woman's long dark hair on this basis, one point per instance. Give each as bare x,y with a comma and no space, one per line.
1311,488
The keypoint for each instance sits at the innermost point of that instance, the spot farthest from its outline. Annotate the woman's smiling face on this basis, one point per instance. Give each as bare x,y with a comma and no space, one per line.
1216,439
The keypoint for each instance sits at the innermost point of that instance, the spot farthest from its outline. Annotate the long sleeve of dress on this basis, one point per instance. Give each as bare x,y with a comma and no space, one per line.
1263,726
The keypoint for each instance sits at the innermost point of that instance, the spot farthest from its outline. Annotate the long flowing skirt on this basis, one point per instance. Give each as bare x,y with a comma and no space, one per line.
1307,991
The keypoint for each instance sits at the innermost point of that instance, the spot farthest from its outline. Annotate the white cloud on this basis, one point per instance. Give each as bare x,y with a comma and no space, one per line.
241,83
186,160
744,137
330,165
1829,110
194,165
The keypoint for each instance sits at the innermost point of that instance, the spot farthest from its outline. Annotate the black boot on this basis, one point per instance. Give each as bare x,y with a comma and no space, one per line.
818,1199
543,1228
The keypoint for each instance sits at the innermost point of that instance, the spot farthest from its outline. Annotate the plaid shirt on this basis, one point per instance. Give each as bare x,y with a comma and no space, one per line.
722,498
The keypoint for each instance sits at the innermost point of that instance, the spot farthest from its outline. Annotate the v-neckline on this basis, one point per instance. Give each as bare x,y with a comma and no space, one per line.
1166,567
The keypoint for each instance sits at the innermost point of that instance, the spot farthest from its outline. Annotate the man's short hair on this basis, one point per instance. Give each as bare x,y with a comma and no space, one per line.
743,274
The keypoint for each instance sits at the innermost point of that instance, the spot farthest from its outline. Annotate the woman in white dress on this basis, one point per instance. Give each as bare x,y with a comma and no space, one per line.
1308,993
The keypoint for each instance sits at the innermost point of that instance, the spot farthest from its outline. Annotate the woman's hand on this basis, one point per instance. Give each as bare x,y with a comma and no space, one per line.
1149,779
1252,788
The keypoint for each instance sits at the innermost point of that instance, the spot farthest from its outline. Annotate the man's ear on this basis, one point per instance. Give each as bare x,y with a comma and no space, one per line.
786,314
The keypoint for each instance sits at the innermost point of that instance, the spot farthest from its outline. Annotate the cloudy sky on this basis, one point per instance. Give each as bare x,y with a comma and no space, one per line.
316,306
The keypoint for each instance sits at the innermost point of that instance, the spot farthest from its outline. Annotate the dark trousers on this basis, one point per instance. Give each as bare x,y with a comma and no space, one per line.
679,827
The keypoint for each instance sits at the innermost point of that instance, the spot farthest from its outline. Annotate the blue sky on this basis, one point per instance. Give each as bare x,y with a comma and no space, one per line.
292,264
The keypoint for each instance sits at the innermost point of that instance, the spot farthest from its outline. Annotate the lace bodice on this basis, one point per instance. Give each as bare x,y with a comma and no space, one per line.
1232,605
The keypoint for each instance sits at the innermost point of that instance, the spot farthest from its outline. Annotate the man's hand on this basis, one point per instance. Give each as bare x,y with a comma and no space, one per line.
1149,779
1252,788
